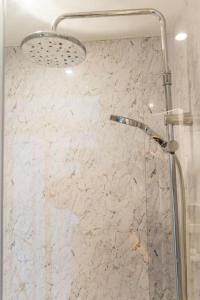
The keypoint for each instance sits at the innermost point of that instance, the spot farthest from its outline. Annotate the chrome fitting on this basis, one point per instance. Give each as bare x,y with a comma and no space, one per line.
167,78
172,147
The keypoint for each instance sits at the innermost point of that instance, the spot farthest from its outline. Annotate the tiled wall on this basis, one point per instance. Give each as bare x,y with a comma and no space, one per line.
88,206
185,57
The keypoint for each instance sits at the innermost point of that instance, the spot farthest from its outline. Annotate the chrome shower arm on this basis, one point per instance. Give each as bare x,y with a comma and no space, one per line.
123,12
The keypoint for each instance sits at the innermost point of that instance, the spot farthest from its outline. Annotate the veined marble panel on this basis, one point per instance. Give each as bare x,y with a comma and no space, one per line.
81,193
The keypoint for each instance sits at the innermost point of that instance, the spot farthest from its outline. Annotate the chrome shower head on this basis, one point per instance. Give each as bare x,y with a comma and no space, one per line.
170,146
53,50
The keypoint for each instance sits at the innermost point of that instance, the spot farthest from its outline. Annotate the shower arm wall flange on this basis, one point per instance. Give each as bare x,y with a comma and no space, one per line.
124,12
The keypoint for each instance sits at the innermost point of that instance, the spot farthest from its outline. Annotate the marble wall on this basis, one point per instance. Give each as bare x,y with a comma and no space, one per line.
185,61
87,201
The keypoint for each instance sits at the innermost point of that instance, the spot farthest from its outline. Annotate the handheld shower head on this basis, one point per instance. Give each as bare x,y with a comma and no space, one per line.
170,146
127,121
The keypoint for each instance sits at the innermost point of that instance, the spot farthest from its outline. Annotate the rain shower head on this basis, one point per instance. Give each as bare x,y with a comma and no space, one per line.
53,50
170,146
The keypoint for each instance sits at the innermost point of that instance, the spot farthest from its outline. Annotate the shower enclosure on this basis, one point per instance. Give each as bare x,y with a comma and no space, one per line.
92,209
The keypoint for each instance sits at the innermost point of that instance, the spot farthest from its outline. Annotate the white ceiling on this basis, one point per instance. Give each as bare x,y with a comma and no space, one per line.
26,16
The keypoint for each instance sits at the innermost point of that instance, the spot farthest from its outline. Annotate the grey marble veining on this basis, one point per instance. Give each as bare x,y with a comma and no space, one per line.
87,211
